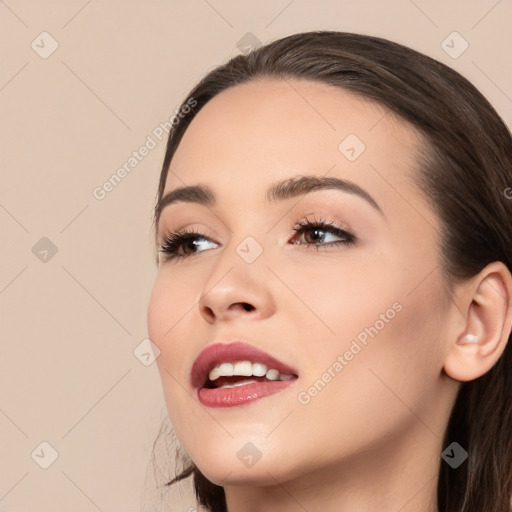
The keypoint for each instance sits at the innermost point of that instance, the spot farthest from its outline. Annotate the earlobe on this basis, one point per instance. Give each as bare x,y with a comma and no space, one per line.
488,319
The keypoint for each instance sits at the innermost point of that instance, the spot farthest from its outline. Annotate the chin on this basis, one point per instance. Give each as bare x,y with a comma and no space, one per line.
242,462
262,474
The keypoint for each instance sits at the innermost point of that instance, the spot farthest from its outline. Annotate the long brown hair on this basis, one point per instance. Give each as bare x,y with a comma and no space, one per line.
465,172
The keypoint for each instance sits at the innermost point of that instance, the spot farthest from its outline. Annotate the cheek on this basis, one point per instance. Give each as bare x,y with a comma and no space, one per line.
165,309
170,308
171,300
337,302
369,315
175,328
382,388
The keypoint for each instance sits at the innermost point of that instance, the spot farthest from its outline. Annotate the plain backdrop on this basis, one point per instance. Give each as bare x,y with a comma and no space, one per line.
82,86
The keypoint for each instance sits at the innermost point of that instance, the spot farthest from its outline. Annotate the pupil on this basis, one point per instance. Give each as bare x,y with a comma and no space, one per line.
315,232
191,244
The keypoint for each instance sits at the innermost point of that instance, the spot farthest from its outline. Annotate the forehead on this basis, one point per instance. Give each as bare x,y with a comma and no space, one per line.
262,131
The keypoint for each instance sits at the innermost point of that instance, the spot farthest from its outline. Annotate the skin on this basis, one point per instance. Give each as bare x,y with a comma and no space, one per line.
371,438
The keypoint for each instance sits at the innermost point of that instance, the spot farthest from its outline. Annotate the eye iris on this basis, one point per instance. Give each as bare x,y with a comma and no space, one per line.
316,236
190,243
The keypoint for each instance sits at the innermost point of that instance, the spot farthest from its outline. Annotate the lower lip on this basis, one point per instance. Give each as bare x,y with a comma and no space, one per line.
240,395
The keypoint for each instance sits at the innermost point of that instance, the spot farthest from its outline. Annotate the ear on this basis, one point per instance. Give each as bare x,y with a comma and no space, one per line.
487,308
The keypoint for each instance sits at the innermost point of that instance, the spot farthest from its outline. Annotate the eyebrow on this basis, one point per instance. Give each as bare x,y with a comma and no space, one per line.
279,191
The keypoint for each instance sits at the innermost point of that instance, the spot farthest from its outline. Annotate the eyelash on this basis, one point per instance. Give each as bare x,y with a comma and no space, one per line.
174,241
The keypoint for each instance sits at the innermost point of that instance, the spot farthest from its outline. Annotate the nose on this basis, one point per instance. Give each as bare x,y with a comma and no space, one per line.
236,290
218,312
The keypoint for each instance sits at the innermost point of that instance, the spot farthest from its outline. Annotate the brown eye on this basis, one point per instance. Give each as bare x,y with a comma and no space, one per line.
320,233
182,245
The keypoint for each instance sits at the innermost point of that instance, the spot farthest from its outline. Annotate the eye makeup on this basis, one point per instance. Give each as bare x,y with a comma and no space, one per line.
310,233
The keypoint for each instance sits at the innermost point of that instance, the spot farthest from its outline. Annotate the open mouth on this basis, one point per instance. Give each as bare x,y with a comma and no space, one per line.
241,373
226,375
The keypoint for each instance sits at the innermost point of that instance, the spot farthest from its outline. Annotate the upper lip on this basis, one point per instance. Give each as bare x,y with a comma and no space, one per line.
218,353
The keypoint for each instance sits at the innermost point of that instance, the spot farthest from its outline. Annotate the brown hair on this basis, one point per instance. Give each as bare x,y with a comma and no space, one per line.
464,172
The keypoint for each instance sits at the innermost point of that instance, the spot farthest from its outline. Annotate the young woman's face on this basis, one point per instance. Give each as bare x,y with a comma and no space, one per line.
355,311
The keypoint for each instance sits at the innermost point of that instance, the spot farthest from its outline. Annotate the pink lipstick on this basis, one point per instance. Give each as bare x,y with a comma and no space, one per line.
227,375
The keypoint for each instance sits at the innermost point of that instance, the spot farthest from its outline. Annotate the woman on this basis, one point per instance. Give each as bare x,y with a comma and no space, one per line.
333,298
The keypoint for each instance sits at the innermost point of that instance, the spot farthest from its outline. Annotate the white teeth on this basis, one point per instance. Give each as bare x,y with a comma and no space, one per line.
272,375
224,370
259,370
243,368
246,369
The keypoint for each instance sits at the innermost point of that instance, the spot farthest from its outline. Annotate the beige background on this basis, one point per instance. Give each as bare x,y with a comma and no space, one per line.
70,324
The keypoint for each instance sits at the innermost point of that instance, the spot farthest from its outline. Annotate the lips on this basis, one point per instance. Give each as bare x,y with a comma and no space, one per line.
219,353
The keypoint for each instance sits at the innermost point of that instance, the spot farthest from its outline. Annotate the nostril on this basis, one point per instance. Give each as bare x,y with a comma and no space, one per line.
247,307
209,312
